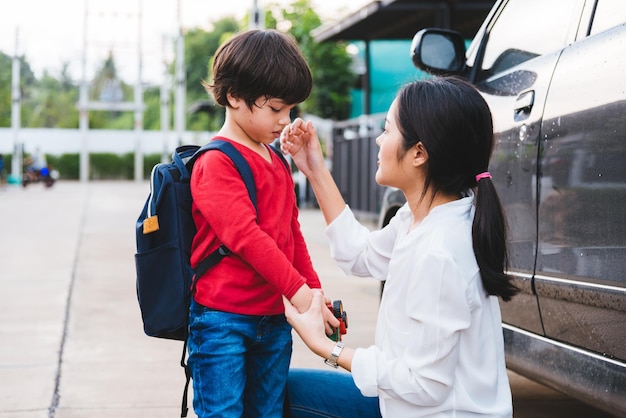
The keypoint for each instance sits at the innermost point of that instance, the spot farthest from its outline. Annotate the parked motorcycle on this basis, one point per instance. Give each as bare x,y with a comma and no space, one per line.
45,176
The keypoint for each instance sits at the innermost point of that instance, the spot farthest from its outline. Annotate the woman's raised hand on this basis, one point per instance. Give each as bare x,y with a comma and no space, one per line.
299,139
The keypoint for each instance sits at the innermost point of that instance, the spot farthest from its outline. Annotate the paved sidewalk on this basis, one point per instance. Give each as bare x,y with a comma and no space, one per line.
72,343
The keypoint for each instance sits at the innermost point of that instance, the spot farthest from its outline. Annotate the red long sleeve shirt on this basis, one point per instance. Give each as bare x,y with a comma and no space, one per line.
269,256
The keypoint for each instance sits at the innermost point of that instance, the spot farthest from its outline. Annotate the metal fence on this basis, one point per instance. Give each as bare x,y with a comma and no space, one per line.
353,152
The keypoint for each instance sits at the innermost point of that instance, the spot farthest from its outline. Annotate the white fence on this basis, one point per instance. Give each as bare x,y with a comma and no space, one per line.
66,141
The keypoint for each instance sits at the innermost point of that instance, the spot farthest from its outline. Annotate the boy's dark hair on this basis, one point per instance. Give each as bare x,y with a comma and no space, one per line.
453,122
260,63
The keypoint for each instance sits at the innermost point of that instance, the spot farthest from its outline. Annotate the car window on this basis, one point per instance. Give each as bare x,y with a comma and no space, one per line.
526,29
608,13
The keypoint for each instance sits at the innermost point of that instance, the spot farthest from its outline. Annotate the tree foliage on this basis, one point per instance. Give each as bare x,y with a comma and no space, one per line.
5,90
330,62
200,47
108,87
27,79
53,102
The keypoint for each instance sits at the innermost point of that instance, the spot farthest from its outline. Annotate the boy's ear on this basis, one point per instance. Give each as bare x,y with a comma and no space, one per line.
233,102
419,154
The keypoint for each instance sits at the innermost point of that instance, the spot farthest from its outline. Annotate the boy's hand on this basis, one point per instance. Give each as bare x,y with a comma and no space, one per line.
310,325
301,301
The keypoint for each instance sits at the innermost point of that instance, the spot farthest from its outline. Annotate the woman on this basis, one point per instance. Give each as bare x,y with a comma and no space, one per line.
439,347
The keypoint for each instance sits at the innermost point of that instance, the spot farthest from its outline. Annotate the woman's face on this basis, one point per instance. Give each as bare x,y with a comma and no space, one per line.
392,170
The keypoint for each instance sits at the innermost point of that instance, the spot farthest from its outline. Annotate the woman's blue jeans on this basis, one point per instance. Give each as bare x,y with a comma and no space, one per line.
239,363
327,393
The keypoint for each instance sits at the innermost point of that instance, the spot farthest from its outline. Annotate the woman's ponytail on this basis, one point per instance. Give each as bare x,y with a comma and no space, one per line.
489,240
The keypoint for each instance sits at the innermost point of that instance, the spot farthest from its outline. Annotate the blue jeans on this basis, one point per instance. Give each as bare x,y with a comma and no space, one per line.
329,394
239,363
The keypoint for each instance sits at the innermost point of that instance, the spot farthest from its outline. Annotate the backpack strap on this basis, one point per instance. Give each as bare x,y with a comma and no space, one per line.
182,157
183,407
240,163
246,174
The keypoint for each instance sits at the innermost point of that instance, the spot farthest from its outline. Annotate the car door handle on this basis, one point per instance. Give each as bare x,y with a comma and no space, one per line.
523,105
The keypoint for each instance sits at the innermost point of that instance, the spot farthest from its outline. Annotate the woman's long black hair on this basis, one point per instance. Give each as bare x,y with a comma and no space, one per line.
453,122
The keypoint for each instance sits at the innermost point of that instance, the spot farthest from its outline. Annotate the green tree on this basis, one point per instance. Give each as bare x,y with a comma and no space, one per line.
106,86
53,102
27,81
200,47
152,112
330,62
5,89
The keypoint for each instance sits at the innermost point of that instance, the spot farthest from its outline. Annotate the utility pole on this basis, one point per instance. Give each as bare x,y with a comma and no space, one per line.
180,97
16,96
139,100
257,18
165,104
83,123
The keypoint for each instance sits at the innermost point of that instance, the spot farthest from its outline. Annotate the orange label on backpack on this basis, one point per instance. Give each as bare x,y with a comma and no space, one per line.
150,224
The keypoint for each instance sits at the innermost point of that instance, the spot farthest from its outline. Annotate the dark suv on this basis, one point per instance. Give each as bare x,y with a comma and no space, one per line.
554,75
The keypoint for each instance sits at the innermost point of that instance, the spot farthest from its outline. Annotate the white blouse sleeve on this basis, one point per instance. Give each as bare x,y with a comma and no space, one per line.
357,250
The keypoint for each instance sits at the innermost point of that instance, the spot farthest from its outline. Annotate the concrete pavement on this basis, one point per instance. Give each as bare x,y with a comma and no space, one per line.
72,343
71,337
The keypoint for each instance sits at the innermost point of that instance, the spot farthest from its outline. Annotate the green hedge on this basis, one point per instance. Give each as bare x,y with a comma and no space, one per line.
102,166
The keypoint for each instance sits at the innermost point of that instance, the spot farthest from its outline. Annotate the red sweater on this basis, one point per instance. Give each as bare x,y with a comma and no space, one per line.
269,256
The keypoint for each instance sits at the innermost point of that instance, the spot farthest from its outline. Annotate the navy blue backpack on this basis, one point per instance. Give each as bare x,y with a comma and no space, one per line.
164,232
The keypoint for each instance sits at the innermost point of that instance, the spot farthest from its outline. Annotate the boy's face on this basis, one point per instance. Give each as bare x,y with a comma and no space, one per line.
264,122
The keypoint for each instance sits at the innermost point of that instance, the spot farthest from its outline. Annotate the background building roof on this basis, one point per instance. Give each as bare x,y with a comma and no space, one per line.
401,19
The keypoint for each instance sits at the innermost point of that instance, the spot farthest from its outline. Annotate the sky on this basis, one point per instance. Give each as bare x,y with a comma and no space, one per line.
52,32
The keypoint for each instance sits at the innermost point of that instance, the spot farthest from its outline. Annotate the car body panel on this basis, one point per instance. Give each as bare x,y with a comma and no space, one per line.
582,210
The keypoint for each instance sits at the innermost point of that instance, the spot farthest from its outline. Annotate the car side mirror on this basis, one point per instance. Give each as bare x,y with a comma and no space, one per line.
438,51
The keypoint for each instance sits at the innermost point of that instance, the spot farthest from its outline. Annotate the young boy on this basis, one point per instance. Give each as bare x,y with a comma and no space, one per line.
239,340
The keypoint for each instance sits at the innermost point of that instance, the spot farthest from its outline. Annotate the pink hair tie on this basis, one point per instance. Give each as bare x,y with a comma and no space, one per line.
484,175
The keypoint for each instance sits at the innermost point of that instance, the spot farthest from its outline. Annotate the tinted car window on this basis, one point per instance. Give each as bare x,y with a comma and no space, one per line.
608,13
526,29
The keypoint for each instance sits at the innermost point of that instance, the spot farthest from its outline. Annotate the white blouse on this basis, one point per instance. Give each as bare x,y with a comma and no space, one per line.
439,349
